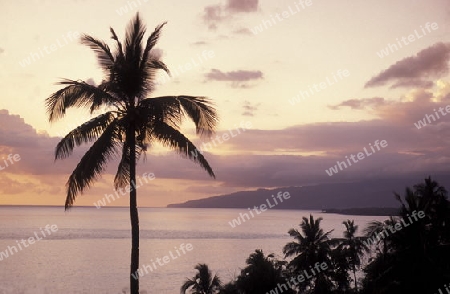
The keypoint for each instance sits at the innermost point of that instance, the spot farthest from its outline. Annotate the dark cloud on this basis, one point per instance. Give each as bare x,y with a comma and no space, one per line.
412,83
238,78
234,76
410,108
213,15
301,154
242,5
414,71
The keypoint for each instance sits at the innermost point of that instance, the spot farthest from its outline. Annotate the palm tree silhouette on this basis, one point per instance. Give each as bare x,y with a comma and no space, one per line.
262,275
203,282
311,245
418,253
352,247
378,231
132,121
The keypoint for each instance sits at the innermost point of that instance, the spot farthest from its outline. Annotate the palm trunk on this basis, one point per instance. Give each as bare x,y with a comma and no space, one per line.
134,217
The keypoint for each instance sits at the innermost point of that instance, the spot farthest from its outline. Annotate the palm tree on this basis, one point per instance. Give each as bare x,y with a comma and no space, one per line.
132,121
377,234
262,275
203,282
416,256
436,204
353,247
311,246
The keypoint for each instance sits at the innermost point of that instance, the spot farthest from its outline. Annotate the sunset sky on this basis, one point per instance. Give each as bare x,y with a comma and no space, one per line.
314,80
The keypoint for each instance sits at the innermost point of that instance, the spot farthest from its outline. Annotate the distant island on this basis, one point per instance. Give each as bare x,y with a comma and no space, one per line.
369,211
367,197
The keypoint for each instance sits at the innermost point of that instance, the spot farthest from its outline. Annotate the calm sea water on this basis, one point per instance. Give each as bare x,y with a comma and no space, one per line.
90,251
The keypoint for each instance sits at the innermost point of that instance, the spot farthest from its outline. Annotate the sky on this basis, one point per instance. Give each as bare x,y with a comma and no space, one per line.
298,85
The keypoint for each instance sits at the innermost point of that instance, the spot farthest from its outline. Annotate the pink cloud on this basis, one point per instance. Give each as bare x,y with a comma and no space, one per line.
414,71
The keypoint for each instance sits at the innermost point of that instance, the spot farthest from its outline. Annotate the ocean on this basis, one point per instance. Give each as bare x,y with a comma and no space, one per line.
44,250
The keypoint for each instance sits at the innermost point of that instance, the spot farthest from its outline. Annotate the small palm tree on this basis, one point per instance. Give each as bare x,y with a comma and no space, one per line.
311,245
132,121
353,247
203,282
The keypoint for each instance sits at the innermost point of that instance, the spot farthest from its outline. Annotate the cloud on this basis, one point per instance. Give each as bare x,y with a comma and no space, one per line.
242,5
91,82
215,14
249,109
242,31
212,15
291,156
300,154
237,78
408,108
2,50
431,62
157,53
200,43
359,104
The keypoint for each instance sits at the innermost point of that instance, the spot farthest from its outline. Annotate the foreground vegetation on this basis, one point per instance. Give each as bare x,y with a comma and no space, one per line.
408,253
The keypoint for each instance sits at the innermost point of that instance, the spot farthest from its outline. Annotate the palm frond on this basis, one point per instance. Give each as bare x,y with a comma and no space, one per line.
151,42
167,109
104,55
87,132
188,284
133,40
202,112
174,139
76,94
120,55
155,64
123,171
199,109
91,164
122,177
